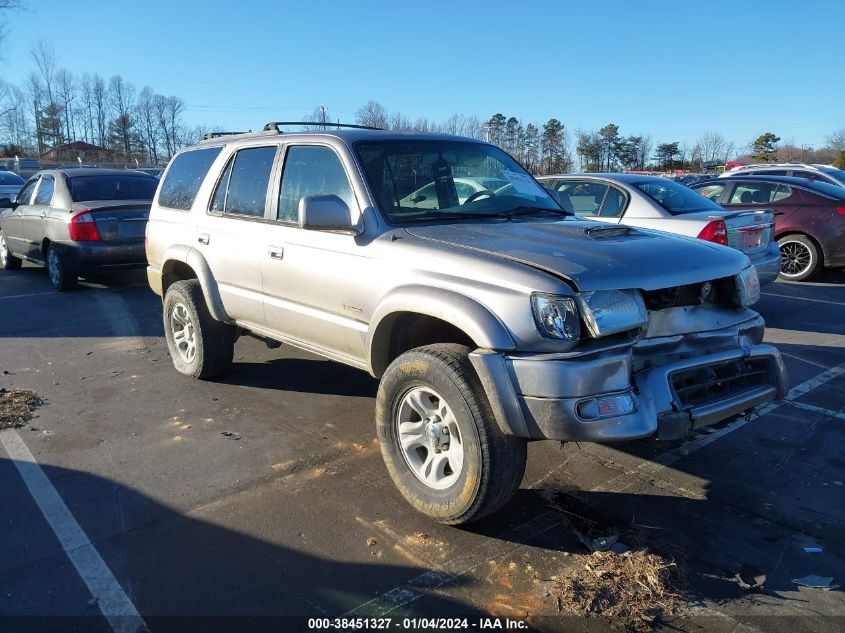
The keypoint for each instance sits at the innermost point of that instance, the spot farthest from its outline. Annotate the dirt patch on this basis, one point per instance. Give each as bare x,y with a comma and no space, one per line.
635,590
16,407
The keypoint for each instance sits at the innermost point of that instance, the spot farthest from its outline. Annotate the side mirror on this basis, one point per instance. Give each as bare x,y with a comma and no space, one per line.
326,212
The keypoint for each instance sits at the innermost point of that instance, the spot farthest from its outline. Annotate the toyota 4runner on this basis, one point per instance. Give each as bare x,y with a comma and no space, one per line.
439,265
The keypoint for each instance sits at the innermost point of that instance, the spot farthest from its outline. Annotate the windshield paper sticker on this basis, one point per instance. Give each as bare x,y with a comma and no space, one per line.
523,183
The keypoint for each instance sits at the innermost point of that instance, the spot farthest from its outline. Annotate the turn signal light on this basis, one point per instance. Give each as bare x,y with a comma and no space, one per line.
82,227
715,231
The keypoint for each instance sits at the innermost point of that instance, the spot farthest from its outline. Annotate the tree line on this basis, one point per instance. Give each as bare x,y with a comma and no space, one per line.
55,106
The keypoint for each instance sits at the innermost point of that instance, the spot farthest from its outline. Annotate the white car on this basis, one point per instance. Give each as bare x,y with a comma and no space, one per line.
823,173
658,203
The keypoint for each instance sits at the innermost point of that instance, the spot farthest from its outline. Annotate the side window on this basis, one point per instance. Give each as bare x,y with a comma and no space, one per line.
45,191
309,171
774,172
712,192
783,192
805,174
184,178
584,196
242,189
613,205
753,193
25,194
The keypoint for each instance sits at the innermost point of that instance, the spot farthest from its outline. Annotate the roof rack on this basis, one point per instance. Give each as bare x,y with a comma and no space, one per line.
210,135
275,125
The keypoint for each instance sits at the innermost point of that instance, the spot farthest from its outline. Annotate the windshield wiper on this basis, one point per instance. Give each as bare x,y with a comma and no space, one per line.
528,210
422,217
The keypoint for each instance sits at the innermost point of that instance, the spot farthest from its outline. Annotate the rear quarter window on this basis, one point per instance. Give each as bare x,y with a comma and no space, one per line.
184,178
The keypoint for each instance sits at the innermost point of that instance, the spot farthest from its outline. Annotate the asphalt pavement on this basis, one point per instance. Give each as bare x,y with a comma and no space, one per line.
139,496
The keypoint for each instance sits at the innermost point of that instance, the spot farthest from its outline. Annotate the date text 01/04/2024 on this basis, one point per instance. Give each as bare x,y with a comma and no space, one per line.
415,624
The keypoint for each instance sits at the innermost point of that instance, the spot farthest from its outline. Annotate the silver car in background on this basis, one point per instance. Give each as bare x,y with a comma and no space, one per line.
823,173
653,202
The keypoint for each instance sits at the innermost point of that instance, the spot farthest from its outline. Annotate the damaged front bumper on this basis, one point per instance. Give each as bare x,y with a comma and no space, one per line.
661,387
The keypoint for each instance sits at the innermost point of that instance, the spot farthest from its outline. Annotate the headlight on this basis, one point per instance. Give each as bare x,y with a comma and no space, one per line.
556,317
610,311
747,287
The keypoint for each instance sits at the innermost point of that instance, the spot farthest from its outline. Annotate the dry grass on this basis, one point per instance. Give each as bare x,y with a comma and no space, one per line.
636,590
16,407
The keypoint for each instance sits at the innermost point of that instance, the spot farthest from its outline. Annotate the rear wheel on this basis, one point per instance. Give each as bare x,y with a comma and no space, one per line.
799,257
61,278
439,438
200,345
7,260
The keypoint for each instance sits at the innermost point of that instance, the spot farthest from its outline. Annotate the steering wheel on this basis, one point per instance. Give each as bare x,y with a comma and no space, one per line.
478,194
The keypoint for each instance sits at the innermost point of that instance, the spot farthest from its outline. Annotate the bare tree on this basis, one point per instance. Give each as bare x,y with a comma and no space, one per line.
399,122
711,146
121,97
836,140
372,114
5,6
148,122
66,90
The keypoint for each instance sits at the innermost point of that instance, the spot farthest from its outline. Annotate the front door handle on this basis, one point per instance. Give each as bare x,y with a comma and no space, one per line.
203,238
276,252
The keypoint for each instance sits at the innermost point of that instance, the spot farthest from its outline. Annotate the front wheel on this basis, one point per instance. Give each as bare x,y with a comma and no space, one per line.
799,257
439,438
200,345
61,278
7,260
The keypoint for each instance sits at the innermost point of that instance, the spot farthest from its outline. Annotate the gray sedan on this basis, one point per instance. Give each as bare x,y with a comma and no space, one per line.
659,203
76,221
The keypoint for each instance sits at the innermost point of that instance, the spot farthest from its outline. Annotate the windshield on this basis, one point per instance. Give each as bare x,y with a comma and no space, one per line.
676,198
417,181
112,187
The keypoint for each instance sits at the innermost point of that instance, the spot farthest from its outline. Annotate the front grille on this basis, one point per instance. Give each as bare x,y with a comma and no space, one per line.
688,295
704,385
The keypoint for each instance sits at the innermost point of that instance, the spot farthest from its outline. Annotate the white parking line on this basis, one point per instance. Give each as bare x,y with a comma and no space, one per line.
775,294
31,294
111,599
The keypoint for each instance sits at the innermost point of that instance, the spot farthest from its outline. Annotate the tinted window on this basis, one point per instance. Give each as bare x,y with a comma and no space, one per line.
613,205
311,171
8,178
676,198
753,193
184,178
26,193
773,172
584,197
712,191
45,191
112,187
245,182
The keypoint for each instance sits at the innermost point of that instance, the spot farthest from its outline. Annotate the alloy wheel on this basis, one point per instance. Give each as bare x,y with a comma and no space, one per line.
795,258
429,438
54,267
184,332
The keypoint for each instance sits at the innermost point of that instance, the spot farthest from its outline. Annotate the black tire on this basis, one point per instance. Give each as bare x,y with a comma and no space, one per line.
213,341
493,463
800,258
61,277
7,260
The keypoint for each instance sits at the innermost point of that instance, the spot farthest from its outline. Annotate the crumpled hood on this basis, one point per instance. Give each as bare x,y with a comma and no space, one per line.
594,255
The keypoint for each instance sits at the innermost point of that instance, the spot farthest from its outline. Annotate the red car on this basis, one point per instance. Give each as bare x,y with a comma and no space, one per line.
809,217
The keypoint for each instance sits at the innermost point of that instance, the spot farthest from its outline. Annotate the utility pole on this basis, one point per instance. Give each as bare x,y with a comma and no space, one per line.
38,135
323,116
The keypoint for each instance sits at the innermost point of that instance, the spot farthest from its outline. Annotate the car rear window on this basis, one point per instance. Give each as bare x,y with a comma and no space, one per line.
676,198
183,180
8,178
112,187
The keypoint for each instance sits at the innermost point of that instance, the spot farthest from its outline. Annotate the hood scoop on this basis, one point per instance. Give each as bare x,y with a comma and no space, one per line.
605,232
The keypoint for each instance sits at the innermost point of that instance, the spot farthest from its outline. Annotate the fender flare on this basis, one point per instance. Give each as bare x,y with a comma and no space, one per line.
468,315
194,259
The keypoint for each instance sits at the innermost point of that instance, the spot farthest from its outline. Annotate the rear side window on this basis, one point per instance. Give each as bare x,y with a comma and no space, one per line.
242,189
184,178
45,191
584,197
753,193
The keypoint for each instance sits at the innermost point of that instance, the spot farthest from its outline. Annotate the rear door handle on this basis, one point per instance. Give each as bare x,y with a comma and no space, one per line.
276,252
203,238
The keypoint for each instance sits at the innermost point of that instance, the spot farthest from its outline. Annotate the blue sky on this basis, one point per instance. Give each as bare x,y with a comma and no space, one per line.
670,69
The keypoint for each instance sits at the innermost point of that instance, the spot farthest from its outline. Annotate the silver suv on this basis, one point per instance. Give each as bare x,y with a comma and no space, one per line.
439,265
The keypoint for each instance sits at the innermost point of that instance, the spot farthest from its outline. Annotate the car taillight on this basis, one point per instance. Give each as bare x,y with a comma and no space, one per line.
82,227
840,210
715,231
